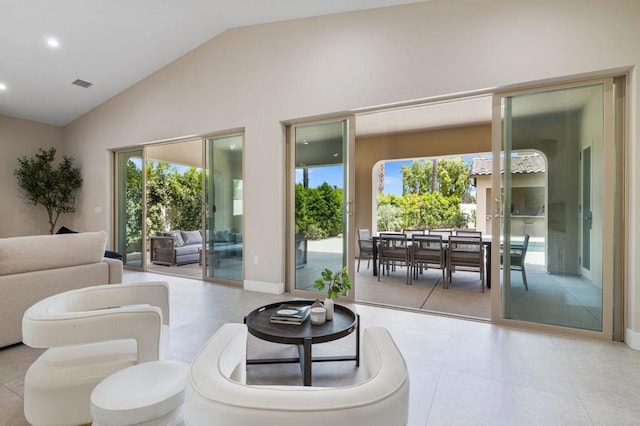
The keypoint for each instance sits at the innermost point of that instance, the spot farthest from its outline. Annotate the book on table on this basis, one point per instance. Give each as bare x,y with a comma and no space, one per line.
290,314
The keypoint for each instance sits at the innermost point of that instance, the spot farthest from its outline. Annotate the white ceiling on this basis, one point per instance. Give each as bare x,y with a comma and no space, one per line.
116,43
435,115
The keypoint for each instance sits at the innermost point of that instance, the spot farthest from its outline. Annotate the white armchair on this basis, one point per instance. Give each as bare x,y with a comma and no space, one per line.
217,394
91,333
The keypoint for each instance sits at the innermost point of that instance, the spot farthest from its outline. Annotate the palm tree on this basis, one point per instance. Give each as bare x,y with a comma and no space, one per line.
380,167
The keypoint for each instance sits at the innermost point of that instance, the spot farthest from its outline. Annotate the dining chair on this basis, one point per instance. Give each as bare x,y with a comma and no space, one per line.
365,246
517,258
446,233
409,232
427,251
393,250
465,252
364,234
468,233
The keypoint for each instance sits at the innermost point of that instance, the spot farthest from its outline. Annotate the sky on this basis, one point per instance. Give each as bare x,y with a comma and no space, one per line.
333,175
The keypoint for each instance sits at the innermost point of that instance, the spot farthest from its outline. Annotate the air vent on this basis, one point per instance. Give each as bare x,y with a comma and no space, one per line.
82,83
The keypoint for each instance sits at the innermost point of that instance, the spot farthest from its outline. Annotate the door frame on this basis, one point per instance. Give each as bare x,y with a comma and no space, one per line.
203,139
117,238
205,166
611,144
348,203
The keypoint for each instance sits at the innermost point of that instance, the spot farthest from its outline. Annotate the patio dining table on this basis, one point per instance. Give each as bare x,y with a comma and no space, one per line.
486,242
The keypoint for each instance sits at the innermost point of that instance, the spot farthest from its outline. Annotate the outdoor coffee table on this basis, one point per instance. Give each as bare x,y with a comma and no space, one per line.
344,322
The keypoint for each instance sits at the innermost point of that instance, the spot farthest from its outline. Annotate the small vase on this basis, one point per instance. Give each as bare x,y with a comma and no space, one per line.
328,305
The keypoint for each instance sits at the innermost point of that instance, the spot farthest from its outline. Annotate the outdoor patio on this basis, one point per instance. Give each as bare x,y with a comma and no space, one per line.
565,300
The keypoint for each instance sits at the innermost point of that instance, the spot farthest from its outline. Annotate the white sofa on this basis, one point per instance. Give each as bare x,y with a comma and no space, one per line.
216,392
35,267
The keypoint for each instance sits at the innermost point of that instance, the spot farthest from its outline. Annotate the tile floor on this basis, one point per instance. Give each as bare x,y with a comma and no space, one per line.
462,372
463,297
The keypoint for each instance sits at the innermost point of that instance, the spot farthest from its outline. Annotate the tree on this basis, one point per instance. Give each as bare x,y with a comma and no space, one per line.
389,217
319,210
417,178
174,199
53,188
185,196
133,208
380,172
158,196
453,177
432,210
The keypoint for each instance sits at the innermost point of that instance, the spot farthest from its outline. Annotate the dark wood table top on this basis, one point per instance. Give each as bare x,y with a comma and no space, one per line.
344,323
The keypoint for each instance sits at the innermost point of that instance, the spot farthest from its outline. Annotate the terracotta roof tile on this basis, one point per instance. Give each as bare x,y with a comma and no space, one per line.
532,163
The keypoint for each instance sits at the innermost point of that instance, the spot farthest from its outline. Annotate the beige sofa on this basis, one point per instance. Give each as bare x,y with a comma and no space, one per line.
35,267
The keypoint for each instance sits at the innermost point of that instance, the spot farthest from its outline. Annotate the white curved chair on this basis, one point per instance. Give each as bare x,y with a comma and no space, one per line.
91,333
217,394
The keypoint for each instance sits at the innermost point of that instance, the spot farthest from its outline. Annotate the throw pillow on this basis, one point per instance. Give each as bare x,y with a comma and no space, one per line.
191,237
65,230
222,235
107,253
177,238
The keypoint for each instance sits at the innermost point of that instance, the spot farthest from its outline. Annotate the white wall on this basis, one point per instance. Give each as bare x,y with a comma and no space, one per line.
22,138
255,77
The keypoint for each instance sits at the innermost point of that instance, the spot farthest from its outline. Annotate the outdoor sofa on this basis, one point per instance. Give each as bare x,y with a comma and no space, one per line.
182,247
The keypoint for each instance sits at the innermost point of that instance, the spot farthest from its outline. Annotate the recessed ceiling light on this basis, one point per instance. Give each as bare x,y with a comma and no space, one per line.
3,87
52,42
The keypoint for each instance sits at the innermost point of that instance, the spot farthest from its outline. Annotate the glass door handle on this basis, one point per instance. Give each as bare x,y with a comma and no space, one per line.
498,207
349,208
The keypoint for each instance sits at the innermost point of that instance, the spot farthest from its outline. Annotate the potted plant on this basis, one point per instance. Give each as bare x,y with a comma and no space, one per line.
336,283
54,188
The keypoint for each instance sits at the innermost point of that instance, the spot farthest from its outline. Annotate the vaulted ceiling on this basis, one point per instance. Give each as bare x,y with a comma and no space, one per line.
115,43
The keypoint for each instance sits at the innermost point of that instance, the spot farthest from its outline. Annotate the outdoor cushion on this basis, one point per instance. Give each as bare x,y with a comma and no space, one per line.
222,235
177,238
191,237
190,249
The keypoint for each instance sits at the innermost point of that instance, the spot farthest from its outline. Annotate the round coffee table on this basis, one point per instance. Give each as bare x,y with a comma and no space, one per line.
344,322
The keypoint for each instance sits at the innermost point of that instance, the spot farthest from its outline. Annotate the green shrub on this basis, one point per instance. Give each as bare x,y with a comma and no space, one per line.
389,217
319,211
315,232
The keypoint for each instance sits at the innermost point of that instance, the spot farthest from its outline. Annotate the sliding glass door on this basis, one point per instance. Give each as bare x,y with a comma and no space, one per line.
175,195
320,207
557,178
223,197
130,200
